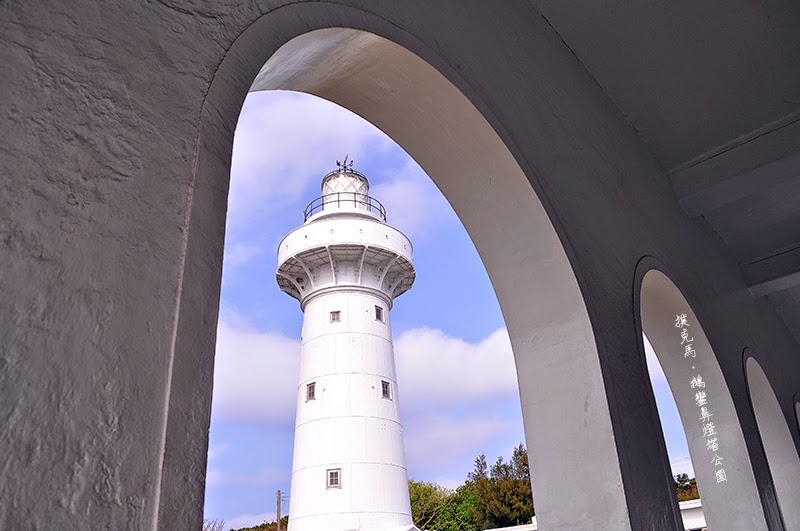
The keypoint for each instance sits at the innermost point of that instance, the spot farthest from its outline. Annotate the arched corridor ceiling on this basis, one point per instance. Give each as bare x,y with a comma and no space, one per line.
713,89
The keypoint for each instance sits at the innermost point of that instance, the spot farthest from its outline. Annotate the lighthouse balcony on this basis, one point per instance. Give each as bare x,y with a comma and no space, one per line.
356,265
346,230
349,202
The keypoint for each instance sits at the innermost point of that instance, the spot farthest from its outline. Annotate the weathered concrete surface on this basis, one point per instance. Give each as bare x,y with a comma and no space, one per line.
777,440
98,148
116,134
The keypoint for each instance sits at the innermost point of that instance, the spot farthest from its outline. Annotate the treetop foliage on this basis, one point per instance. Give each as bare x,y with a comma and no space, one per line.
496,496
686,488
265,526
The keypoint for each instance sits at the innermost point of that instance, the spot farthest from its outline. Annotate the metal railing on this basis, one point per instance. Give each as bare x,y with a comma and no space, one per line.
340,199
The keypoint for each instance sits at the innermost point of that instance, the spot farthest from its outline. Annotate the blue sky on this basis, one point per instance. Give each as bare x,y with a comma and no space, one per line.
456,377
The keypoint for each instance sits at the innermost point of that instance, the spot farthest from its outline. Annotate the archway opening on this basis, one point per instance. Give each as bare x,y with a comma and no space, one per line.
784,463
457,384
454,143
721,463
671,427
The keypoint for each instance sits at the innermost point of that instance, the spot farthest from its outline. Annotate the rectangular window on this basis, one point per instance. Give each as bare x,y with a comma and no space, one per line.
336,316
378,313
386,389
334,481
310,390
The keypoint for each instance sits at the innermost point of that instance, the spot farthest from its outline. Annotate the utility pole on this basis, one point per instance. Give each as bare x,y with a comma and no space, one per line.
279,510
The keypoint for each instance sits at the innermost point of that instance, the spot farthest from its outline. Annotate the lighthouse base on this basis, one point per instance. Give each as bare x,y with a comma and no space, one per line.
347,522
348,528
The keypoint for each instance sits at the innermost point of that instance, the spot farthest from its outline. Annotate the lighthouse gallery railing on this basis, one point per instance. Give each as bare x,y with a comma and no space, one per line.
340,199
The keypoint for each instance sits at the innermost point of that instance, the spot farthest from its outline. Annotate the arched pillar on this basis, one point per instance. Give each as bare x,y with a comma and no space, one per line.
797,412
780,449
714,436
117,148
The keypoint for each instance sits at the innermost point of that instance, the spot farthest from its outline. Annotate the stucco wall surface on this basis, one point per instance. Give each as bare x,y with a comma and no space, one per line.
111,249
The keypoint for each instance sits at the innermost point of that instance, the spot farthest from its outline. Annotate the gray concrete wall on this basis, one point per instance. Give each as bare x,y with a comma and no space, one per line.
116,136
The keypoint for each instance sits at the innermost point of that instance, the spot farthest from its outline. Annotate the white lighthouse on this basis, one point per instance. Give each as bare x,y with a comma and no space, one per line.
346,265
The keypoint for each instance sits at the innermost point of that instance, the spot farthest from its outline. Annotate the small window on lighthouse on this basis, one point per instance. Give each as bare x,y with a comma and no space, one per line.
336,316
378,313
386,389
310,389
333,478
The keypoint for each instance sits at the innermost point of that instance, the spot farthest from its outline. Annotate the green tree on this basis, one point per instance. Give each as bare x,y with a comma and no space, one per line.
502,494
464,510
213,525
507,498
267,526
682,481
520,468
480,471
429,503
686,488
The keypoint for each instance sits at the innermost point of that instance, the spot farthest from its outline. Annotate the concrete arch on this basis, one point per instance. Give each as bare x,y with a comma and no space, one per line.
117,145
734,503
441,128
797,411
782,455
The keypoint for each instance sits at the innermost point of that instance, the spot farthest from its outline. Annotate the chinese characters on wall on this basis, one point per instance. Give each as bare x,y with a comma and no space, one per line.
698,386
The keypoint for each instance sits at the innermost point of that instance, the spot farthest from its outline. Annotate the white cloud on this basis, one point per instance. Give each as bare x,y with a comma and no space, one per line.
445,384
437,370
268,476
413,203
286,141
239,253
255,373
215,476
216,450
443,442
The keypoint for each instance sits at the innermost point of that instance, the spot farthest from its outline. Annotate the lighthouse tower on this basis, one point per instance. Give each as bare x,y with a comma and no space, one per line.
346,265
